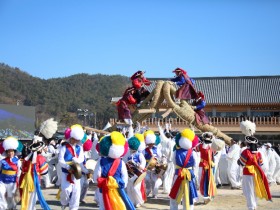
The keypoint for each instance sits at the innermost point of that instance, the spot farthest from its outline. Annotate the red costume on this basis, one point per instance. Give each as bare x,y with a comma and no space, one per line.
207,182
186,90
252,167
122,104
199,104
138,81
41,167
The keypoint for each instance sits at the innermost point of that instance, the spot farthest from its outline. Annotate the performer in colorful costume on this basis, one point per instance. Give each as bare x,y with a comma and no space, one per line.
137,193
138,81
186,90
34,166
254,181
111,173
183,188
127,99
206,175
71,153
198,105
151,153
9,173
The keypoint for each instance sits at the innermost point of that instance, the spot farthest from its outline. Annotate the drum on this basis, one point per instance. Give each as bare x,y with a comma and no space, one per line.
90,165
140,178
132,169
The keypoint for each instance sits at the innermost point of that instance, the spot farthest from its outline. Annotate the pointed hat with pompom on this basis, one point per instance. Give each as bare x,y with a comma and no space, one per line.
185,139
137,142
113,145
150,137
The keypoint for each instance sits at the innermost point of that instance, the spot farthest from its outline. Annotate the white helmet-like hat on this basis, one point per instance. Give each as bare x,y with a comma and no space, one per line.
10,143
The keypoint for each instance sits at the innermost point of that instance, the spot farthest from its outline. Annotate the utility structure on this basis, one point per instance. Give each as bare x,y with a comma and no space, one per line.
83,113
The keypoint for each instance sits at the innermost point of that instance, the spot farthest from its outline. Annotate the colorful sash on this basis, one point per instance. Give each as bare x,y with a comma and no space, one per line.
143,190
27,186
183,178
207,181
150,153
14,168
12,164
109,186
43,202
261,184
71,150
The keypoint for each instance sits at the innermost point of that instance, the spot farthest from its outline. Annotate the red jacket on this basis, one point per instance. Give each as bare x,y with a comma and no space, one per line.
139,82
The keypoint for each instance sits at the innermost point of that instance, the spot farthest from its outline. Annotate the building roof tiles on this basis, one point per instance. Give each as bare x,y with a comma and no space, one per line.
236,90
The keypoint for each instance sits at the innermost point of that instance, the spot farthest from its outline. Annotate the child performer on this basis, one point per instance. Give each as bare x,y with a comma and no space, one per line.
9,173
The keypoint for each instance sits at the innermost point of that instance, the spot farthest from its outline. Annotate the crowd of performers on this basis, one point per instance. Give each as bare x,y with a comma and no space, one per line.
130,165
133,96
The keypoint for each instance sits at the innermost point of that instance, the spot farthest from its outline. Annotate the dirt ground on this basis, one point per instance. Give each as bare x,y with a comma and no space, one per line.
226,199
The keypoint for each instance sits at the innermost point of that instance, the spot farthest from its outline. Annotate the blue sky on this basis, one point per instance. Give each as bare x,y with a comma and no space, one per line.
59,38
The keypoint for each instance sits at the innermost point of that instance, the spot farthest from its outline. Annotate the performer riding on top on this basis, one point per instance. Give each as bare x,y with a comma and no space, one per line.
186,90
122,105
138,81
198,105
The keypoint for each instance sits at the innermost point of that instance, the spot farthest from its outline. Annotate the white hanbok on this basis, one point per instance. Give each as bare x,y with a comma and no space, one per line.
233,168
70,193
153,180
271,165
167,145
134,192
276,174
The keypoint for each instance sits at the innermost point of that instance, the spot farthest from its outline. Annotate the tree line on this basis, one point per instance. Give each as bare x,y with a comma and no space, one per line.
80,98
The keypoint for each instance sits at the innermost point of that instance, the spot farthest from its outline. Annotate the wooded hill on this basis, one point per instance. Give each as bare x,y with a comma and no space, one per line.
62,97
